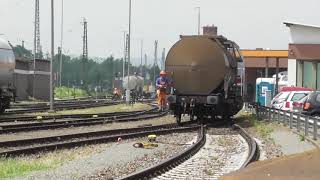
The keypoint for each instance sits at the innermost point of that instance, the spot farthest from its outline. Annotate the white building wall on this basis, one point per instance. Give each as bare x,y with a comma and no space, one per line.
292,72
301,34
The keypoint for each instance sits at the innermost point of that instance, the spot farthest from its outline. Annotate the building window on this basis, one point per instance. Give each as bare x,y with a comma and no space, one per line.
307,74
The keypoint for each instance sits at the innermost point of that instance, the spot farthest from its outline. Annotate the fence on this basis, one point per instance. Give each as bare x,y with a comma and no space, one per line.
303,124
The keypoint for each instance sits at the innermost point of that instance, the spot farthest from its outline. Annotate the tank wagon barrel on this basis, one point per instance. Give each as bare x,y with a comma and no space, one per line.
7,65
204,71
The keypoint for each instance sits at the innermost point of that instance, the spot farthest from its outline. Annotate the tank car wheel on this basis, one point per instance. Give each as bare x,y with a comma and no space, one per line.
178,119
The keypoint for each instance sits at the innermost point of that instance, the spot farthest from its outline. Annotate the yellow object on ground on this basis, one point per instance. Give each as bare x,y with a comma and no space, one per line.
152,137
39,117
146,145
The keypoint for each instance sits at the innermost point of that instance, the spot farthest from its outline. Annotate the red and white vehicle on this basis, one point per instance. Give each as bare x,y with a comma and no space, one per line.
290,98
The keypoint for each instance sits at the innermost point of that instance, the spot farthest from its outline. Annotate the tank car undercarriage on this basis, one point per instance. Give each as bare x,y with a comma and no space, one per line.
4,101
201,107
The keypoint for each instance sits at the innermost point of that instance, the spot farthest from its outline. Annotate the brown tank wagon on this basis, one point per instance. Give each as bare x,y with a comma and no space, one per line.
7,65
205,71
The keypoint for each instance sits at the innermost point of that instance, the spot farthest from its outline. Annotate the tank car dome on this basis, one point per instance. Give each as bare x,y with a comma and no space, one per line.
4,44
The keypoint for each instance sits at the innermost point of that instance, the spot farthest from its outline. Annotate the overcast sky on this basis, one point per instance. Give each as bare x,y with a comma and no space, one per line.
250,23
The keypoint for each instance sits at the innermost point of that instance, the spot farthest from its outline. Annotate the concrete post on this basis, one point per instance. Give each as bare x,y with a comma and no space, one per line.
290,120
306,125
315,128
298,122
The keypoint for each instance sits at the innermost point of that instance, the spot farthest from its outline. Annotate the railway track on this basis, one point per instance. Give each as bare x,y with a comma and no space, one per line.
188,163
57,103
61,107
82,121
28,118
45,144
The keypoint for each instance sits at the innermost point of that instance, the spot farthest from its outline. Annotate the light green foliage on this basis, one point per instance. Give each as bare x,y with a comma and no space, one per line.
20,166
65,93
17,167
302,137
263,128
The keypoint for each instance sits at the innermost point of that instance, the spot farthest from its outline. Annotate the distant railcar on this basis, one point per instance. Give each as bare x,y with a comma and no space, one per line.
135,84
206,77
7,65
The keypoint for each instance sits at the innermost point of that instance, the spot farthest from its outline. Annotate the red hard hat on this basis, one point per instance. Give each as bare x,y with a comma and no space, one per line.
163,73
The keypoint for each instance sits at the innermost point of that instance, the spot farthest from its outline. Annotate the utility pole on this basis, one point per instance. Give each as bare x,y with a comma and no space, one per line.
37,31
163,58
198,19
124,54
145,65
141,60
129,39
144,70
57,81
85,55
155,60
52,56
61,42
36,45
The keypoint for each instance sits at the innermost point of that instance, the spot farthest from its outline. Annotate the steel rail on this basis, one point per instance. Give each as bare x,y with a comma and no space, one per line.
174,161
55,117
79,122
76,106
87,139
57,103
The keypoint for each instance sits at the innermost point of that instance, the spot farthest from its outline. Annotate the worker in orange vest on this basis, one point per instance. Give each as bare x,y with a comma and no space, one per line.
162,84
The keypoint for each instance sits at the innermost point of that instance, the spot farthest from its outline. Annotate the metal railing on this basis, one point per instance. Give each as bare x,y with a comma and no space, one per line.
305,125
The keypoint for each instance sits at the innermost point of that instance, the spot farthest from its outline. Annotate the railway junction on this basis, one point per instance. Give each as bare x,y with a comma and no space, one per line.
210,106
99,146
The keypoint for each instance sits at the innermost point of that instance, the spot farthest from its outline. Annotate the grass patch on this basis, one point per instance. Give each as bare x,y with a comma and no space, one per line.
263,129
11,167
302,137
18,167
66,93
97,110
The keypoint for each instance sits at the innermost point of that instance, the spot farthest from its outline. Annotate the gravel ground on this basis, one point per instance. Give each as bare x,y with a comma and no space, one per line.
269,149
64,131
170,146
117,160
221,154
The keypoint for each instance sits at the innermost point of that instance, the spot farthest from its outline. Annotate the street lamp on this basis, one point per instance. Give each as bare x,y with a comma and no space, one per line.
129,40
52,56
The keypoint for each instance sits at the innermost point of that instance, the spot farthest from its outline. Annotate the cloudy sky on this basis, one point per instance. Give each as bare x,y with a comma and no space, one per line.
250,23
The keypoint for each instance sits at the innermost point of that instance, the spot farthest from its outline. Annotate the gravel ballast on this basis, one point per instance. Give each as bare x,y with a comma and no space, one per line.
221,154
72,130
117,159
